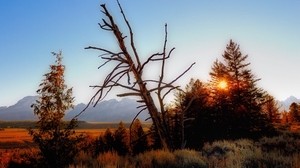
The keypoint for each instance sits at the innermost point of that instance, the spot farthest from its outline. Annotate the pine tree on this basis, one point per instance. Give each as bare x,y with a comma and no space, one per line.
121,140
195,99
105,142
56,139
271,109
237,98
294,112
285,119
139,141
154,141
108,140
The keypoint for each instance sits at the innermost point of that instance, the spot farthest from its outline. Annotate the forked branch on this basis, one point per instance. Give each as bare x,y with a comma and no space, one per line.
127,67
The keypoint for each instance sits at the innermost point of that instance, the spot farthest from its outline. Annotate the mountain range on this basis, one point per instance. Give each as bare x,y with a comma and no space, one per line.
285,105
105,111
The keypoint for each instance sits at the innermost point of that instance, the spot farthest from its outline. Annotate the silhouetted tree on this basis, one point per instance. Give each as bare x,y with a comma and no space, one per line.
129,67
271,109
193,102
237,100
294,112
56,139
154,141
105,142
120,142
138,138
285,119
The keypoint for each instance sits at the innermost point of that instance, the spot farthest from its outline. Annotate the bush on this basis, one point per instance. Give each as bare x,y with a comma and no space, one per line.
24,158
268,160
267,153
189,158
166,159
229,154
287,144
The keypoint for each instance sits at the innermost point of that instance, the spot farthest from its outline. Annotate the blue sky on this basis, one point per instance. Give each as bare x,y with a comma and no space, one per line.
268,31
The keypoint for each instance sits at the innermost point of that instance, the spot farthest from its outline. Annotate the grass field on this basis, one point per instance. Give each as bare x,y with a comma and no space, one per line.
16,141
18,138
13,138
268,152
81,124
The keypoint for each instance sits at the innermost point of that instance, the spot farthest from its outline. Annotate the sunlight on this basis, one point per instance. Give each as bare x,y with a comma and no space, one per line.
222,85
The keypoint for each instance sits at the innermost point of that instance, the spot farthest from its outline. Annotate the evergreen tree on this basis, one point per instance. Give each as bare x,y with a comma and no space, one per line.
195,99
271,109
121,140
239,104
154,141
294,112
285,117
105,142
139,141
108,140
56,139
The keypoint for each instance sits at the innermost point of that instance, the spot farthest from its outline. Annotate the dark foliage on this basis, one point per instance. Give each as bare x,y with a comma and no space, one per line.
230,106
138,138
56,139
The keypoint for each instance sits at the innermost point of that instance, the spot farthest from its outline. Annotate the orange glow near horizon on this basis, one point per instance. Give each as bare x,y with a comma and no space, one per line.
223,85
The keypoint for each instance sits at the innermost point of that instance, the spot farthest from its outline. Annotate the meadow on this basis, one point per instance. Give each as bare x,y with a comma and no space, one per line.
281,151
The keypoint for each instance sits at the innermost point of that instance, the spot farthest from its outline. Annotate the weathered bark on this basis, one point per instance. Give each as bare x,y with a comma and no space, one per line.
128,64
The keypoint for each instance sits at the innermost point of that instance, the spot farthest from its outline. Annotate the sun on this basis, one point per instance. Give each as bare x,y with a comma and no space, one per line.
222,85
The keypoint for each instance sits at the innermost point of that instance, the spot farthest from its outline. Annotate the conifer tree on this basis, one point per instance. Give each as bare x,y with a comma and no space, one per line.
294,112
285,119
121,140
105,142
154,141
237,98
108,140
271,109
56,139
196,102
138,138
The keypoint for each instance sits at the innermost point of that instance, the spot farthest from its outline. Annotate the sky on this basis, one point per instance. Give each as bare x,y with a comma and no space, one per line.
267,31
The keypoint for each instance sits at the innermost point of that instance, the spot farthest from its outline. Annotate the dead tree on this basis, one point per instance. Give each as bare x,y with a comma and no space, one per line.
128,66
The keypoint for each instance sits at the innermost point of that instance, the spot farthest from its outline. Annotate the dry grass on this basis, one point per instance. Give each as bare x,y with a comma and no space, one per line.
14,135
282,151
14,138
94,133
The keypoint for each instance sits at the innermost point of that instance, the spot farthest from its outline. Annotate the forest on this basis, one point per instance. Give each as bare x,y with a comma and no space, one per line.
225,122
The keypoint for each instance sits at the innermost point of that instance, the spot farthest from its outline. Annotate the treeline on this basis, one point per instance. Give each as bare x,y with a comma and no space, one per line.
123,141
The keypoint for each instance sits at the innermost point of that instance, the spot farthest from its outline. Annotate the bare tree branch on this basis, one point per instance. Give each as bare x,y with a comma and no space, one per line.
128,66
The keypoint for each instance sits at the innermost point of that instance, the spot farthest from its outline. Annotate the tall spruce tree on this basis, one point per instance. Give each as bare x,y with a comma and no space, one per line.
195,99
294,112
121,140
104,143
239,102
56,139
138,138
271,109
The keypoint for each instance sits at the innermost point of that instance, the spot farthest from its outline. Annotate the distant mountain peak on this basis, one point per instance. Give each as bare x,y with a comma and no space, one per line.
291,98
109,110
285,104
27,100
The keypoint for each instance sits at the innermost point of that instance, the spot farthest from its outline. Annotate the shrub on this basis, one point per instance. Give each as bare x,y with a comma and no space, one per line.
287,144
189,158
166,159
268,160
24,158
229,154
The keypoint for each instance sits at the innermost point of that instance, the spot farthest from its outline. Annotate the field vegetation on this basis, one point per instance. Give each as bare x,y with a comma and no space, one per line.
282,151
226,122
